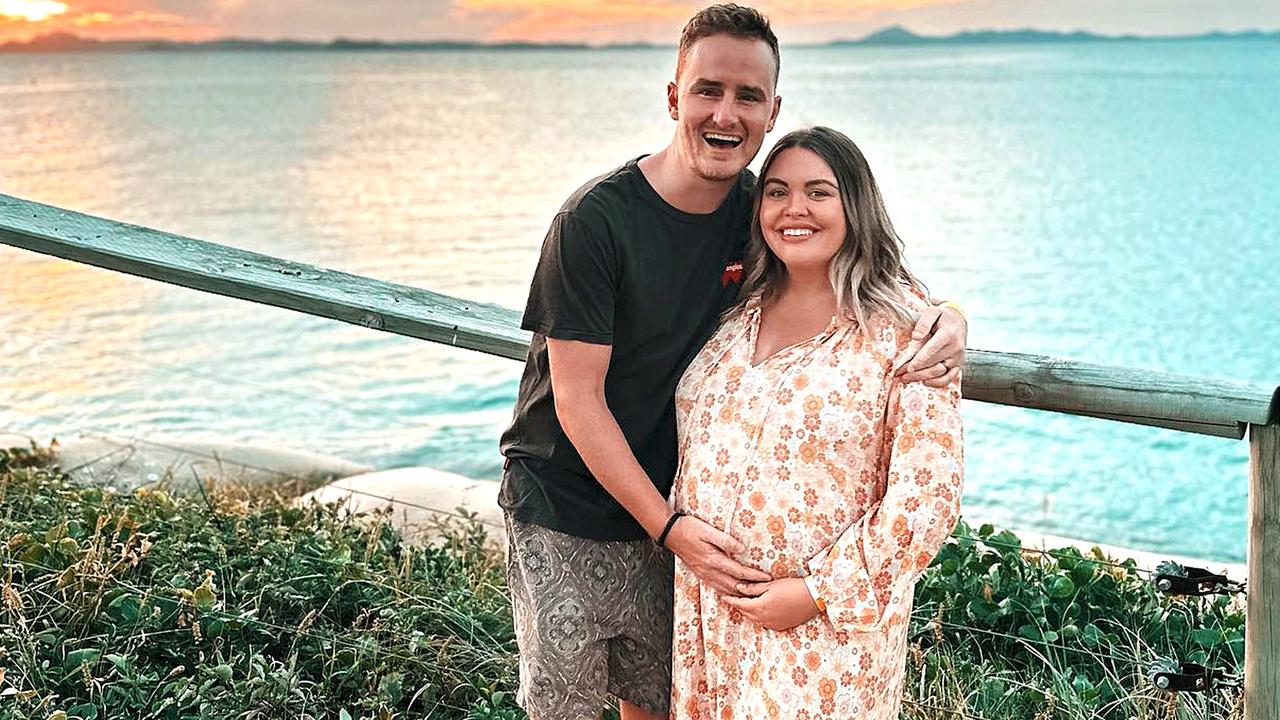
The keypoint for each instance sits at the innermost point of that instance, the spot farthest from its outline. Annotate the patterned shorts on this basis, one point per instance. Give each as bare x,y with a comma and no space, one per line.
592,618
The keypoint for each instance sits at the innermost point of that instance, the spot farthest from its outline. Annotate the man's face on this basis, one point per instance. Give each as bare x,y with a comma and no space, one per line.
723,102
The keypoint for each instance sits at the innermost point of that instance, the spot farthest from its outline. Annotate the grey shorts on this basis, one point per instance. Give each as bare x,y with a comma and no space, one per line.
592,618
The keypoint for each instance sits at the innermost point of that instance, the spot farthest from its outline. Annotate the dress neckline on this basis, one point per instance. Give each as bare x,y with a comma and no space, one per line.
753,336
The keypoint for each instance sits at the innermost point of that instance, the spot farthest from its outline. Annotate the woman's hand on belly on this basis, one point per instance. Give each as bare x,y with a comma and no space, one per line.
776,605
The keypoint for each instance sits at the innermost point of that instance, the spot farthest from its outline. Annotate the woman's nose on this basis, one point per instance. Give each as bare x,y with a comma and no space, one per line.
797,204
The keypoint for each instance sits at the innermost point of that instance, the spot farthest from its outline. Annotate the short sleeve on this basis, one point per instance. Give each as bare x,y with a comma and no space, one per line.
574,288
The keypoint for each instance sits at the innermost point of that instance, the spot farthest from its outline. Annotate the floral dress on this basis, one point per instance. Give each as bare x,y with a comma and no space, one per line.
823,466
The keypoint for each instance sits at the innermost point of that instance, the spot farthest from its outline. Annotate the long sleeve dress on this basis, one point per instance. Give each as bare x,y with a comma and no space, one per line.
823,466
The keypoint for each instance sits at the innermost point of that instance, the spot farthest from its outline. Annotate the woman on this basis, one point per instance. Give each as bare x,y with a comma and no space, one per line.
796,439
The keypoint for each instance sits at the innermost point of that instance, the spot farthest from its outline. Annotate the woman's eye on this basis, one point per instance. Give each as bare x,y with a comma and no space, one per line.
776,193
819,194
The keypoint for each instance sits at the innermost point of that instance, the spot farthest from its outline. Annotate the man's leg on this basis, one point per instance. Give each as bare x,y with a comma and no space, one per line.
630,711
563,645
640,658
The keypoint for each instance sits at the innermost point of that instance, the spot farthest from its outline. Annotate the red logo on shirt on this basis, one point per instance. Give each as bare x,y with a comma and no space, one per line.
732,274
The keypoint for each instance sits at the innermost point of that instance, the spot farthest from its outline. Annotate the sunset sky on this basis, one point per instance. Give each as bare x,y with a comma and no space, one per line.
602,22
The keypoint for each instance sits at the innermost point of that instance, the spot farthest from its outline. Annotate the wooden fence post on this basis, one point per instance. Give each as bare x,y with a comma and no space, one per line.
1262,621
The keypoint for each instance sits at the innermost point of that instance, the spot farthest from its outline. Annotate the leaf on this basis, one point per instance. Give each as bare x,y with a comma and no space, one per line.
1092,635
76,658
204,597
124,609
1062,587
121,662
344,715
1207,638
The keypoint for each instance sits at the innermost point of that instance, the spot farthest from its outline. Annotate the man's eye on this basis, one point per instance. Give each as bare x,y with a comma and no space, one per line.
749,98
708,91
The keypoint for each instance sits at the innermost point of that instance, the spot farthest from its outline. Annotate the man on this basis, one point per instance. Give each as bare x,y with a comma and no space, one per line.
635,270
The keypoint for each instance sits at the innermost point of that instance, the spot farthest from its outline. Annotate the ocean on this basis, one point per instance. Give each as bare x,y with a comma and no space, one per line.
1116,203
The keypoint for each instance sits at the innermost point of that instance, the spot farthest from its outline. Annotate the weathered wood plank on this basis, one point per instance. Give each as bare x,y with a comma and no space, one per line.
1262,614
1130,395
1139,396
261,278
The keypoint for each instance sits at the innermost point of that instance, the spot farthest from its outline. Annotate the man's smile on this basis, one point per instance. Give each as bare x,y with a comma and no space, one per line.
722,141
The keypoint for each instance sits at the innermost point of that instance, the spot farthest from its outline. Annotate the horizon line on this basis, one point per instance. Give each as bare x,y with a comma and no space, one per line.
904,33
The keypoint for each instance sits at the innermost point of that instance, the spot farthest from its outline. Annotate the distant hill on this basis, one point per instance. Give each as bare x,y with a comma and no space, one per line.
898,35
67,42
895,35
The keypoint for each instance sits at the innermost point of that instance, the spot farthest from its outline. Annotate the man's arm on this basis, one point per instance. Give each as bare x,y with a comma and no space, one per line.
577,382
939,339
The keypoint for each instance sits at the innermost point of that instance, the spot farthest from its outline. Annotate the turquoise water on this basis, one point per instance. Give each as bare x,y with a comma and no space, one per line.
1115,203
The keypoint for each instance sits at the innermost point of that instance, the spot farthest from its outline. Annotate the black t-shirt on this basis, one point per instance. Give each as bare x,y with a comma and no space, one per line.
622,267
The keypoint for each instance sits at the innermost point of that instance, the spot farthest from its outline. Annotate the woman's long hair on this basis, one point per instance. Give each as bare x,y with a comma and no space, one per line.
868,272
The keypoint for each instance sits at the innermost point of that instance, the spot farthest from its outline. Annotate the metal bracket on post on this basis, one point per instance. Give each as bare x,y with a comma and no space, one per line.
1174,579
1174,676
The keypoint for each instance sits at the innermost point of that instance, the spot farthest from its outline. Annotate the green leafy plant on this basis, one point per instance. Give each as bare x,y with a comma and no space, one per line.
236,604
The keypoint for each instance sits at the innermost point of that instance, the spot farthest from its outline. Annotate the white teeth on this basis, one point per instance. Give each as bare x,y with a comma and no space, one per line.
726,138
797,232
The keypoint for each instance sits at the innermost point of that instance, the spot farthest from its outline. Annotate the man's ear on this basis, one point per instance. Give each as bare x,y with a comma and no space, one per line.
673,95
777,106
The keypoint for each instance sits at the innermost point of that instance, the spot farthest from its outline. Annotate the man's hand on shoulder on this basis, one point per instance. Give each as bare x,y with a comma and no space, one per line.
707,552
939,339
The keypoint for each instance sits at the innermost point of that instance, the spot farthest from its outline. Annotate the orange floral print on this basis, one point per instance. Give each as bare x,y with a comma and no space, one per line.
822,465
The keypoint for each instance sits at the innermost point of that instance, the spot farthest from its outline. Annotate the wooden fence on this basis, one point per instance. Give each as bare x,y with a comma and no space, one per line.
1186,404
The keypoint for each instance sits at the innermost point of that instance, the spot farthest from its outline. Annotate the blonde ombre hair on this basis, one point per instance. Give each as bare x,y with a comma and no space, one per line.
868,272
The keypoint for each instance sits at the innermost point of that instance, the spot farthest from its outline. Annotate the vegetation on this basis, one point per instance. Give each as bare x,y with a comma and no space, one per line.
234,604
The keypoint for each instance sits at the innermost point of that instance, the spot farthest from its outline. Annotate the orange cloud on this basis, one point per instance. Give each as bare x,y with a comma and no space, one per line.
571,20
622,20
133,19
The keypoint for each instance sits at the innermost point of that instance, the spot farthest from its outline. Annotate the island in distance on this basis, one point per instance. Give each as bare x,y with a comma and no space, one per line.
896,35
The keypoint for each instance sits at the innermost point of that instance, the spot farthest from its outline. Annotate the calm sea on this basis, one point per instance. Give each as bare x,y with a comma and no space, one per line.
1116,203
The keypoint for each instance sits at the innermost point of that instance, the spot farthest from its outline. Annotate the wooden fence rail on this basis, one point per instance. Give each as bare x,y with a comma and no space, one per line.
1188,404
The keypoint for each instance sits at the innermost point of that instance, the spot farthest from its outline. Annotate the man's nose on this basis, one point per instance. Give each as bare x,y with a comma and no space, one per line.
724,115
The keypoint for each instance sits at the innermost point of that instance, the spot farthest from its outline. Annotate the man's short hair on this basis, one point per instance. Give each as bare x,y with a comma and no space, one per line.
728,19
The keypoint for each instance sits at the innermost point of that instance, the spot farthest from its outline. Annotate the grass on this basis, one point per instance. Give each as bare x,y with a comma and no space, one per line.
234,604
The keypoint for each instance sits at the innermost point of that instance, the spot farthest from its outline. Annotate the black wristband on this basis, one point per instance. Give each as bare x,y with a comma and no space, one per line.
666,529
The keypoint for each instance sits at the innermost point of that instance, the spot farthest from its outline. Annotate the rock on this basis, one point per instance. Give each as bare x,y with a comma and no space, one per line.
420,499
128,464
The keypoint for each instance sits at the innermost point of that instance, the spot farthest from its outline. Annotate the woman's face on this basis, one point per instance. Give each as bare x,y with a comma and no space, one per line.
801,214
